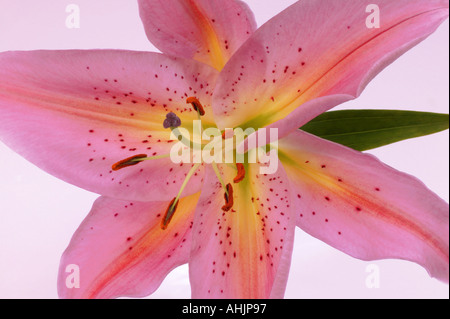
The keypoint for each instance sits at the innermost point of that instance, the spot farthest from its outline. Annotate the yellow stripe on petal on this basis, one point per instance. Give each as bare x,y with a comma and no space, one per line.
357,204
209,31
304,53
239,253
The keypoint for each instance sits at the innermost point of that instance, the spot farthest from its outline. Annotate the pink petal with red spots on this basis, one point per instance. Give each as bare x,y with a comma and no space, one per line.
76,113
209,31
316,49
363,207
121,250
244,252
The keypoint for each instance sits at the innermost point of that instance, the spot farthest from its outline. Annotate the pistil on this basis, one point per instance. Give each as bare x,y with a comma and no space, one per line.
172,121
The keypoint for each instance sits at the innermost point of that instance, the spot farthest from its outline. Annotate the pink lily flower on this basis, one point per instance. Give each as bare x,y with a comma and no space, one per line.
76,113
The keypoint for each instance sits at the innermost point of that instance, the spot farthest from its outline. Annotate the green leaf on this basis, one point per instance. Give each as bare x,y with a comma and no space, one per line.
367,129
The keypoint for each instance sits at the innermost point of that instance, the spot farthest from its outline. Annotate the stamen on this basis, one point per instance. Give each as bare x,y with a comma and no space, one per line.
196,105
227,133
186,180
228,195
219,177
240,173
172,121
174,203
169,213
130,161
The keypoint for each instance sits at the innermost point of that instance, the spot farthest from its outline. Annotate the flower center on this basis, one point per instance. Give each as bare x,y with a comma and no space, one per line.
173,122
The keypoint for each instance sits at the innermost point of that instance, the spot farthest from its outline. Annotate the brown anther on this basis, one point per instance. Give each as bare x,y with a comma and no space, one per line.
196,105
240,173
169,214
130,161
228,198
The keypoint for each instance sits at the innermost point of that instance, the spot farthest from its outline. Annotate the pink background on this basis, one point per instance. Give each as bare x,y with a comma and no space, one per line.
39,213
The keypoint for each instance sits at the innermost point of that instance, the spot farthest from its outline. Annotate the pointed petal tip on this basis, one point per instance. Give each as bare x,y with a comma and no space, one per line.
387,214
120,250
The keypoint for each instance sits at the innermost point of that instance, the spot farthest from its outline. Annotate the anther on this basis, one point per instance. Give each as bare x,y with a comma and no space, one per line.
228,198
240,173
196,105
169,213
130,161
172,120
228,133
174,203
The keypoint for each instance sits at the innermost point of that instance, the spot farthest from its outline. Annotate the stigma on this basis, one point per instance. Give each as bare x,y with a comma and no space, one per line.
172,120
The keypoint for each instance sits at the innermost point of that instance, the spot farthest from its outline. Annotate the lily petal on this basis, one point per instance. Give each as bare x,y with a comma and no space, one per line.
76,113
244,252
315,49
121,250
364,208
209,31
